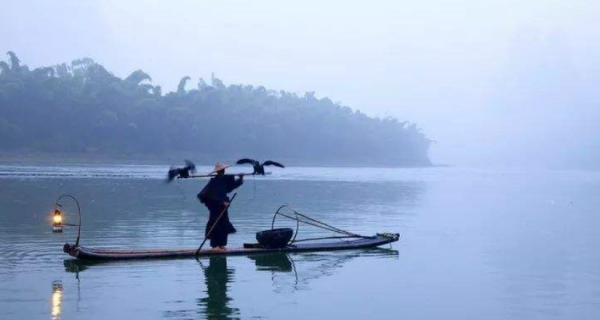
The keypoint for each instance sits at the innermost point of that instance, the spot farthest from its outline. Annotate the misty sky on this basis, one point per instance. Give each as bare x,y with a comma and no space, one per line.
493,82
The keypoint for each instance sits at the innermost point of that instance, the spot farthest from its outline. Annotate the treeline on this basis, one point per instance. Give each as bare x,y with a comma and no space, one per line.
82,108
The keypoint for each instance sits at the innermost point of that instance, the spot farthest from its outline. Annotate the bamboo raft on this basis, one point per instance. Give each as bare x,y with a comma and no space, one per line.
85,253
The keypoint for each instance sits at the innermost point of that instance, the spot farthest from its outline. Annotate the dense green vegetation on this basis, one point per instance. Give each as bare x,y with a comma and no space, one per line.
82,108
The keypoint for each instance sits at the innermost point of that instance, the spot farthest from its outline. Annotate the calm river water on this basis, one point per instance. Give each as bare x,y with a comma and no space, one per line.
475,244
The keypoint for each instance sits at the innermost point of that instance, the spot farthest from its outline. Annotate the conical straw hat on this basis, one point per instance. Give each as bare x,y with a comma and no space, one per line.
220,166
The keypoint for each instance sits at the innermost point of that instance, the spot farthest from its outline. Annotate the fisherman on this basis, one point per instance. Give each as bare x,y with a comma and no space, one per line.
214,197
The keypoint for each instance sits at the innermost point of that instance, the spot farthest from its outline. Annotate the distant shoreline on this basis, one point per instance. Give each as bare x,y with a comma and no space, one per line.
176,159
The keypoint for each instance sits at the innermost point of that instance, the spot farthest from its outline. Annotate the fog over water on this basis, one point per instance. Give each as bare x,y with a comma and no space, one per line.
508,90
503,83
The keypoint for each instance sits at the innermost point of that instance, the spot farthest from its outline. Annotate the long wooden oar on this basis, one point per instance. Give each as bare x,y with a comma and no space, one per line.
215,224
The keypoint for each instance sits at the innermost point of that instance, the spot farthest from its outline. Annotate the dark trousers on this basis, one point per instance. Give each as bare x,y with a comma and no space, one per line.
218,233
218,239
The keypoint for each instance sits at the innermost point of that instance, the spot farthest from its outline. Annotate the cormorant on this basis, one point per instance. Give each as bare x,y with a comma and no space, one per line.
181,172
259,168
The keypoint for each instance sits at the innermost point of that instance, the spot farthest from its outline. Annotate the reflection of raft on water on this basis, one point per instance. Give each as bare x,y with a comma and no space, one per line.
270,242
277,262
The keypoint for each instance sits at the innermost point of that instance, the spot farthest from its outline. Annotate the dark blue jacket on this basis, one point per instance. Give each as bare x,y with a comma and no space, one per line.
212,196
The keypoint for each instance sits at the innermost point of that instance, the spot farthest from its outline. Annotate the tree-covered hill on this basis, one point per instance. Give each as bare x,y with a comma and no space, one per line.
82,108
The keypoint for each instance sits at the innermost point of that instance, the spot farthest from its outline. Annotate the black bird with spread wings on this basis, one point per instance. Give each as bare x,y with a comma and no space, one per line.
183,173
259,168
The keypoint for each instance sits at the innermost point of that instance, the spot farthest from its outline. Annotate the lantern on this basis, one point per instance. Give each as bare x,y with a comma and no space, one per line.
57,221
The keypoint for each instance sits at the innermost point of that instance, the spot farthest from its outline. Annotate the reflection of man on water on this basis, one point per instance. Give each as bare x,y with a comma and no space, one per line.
214,196
217,276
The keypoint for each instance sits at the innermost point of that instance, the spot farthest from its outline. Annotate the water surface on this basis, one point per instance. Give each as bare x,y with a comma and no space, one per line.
475,244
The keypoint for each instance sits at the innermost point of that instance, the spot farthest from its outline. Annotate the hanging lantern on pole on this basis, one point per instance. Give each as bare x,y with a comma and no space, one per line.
58,219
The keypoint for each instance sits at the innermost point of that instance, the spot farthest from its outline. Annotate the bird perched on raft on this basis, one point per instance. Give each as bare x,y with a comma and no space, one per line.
181,172
259,168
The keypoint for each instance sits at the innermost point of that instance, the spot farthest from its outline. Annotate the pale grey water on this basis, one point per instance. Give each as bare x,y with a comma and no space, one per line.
475,244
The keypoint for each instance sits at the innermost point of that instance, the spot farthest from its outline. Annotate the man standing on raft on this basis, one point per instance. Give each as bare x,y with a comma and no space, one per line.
214,197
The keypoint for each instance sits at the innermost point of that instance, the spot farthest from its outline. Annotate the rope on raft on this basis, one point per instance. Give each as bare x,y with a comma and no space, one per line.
298,217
